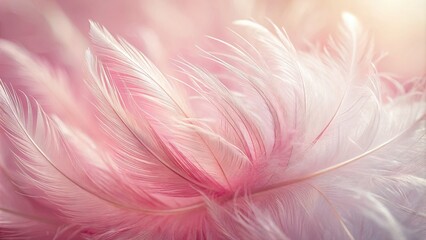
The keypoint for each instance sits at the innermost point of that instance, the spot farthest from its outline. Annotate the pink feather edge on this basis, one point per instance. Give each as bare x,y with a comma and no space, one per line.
274,143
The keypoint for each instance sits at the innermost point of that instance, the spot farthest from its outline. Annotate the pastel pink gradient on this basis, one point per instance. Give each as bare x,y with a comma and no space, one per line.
177,120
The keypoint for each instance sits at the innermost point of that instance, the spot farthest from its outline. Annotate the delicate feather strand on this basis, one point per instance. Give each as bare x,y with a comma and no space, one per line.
266,145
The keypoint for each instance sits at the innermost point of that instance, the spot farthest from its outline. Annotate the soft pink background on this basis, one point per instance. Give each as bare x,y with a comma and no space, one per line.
57,30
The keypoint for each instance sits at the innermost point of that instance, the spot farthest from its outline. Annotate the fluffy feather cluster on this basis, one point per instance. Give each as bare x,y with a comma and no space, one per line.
264,142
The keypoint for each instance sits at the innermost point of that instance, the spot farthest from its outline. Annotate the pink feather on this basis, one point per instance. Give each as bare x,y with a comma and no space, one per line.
263,141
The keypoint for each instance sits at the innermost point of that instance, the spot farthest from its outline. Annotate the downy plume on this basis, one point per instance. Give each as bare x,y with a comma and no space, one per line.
262,141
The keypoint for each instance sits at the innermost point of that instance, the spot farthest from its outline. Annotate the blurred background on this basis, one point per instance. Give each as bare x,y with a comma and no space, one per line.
57,30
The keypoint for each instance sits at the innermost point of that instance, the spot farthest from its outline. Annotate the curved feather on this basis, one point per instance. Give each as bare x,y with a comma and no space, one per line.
161,103
267,145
